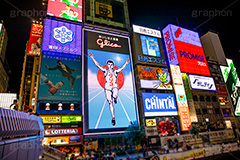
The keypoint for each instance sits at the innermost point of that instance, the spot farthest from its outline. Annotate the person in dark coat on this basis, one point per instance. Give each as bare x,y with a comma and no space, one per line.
65,70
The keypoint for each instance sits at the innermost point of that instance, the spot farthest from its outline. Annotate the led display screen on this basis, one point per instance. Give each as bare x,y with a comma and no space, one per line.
202,82
159,104
111,103
151,51
66,9
150,46
184,48
59,107
35,40
62,37
154,77
60,77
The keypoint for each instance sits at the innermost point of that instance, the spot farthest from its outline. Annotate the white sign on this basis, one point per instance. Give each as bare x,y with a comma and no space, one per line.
146,31
202,83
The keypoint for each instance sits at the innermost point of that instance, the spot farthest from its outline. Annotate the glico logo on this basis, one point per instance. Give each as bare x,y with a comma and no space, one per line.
193,56
106,43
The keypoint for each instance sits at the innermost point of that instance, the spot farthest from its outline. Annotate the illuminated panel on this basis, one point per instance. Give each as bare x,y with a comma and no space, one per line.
62,37
35,40
159,104
183,110
151,122
51,119
202,82
146,31
154,77
110,92
184,48
66,9
63,131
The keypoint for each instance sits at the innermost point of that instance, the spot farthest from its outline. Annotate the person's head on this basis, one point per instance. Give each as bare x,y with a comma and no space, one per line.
110,64
59,62
39,40
15,101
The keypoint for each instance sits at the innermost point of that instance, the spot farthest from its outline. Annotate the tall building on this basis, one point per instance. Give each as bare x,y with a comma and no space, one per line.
4,69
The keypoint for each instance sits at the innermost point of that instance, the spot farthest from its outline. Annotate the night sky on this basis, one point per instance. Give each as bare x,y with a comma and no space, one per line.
202,16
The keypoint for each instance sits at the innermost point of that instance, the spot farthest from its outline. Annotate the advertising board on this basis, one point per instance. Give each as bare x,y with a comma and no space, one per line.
66,9
109,95
62,37
35,40
60,78
159,104
184,48
202,82
182,104
154,77
63,131
71,119
51,119
151,51
50,107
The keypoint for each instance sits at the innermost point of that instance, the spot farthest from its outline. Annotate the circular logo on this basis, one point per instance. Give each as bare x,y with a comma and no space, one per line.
47,132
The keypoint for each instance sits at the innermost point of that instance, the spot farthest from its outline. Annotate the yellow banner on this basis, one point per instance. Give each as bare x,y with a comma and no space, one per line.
103,9
151,122
51,119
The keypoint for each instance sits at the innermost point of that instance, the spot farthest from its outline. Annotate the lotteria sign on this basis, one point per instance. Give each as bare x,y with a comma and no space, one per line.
159,104
202,82
63,131
184,48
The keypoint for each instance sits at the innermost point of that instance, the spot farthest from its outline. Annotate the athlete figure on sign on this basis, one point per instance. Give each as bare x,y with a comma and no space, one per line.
111,87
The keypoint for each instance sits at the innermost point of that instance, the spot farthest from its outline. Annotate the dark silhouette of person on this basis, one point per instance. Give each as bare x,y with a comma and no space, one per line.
66,72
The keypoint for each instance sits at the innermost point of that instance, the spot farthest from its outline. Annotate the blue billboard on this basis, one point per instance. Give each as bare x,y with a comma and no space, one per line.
159,104
150,46
60,77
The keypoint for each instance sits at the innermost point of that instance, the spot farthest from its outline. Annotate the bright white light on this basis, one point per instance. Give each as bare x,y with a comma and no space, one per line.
118,59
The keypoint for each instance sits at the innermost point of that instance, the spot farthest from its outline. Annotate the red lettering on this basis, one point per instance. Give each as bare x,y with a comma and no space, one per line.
105,43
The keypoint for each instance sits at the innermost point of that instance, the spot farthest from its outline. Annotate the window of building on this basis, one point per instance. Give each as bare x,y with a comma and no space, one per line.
208,99
195,98
202,98
210,111
217,111
226,112
198,111
214,98
204,111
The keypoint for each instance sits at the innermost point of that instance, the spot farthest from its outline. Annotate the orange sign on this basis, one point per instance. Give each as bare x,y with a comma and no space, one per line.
183,110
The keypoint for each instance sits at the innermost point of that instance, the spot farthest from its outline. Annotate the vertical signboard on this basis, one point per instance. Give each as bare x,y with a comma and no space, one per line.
231,79
35,40
147,46
110,103
66,9
184,48
181,99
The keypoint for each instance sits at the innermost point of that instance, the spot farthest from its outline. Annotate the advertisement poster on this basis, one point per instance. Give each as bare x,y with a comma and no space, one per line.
111,98
182,104
35,40
103,9
62,37
184,48
202,83
167,126
151,51
67,9
159,104
60,77
154,77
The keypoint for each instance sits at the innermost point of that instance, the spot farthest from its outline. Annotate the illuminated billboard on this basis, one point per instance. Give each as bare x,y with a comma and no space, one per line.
159,104
151,51
60,78
71,119
109,95
184,48
62,131
50,107
51,119
202,82
66,9
154,77
182,104
35,40
62,37
231,79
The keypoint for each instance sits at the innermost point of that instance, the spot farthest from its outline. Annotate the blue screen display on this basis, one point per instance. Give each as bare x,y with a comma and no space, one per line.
159,104
150,46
